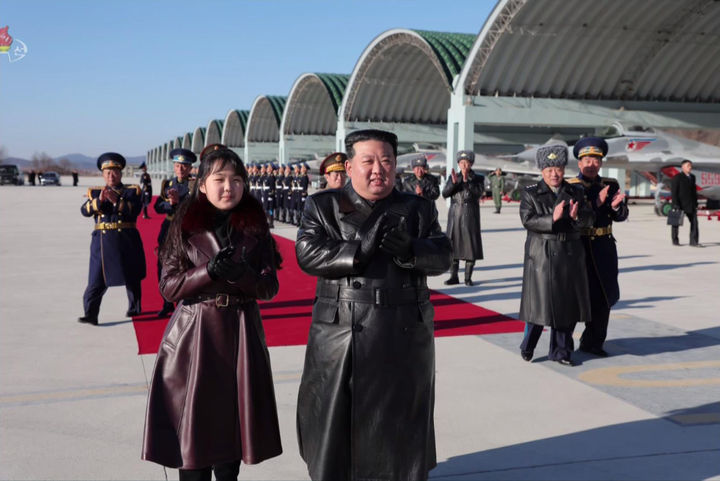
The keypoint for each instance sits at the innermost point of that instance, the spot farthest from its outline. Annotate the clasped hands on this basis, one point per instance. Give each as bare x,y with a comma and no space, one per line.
110,195
222,266
393,240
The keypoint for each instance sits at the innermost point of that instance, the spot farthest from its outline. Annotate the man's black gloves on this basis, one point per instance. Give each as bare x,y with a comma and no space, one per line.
369,241
397,242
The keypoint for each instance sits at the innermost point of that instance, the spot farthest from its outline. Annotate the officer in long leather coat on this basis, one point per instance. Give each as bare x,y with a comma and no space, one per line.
365,405
465,191
607,200
555,288
421,182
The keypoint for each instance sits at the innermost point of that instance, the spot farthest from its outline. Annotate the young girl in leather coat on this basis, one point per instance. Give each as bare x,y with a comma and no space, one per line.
211,402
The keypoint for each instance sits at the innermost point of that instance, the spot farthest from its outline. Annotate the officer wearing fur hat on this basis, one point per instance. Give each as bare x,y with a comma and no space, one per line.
332,169
555,289
422,183
172,193
116,251
607,200
465,190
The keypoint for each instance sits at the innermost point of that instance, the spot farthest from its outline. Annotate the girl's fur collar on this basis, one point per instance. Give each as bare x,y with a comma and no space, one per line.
248,216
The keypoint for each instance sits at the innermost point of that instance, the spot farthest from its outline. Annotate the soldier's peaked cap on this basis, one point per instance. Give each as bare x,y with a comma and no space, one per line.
551,156
590,146
334,162
183,156
111,160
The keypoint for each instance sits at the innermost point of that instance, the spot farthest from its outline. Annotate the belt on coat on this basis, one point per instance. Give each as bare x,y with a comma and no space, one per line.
374,295
596,231
221,300
114,225
560,236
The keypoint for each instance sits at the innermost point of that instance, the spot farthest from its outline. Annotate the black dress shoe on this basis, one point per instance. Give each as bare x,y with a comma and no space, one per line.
676,244
696,245
527,356
565,362
468,282
88,320
166,312
596,351
452,281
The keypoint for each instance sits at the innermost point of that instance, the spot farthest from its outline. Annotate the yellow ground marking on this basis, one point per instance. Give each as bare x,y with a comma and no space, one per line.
610,376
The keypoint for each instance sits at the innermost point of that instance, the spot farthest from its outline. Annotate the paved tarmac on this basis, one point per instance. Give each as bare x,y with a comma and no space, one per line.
72,396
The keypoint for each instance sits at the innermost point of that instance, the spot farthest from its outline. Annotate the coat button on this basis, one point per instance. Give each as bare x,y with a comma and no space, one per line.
357,284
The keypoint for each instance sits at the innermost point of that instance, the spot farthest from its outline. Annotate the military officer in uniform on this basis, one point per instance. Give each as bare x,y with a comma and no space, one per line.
497,185
422,183
465,190
607,201
303,183
172,193
268,194
554,288
116,251
279,197
287,194
146,189
332,169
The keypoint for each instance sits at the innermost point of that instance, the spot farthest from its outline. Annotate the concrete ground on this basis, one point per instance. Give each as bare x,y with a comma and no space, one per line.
72,396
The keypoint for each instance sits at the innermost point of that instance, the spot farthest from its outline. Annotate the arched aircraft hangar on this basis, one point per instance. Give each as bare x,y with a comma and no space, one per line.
536,69
233,134
263,129
402,83
213,132
198,140
309,122
573,68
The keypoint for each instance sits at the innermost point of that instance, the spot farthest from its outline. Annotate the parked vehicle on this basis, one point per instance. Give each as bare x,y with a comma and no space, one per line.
50,178
10,174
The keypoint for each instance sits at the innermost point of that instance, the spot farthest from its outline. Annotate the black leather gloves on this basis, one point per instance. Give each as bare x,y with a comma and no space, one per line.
222,266
397,242
370,239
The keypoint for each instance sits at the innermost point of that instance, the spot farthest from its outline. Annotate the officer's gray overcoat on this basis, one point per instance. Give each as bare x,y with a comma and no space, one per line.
555,286
365,405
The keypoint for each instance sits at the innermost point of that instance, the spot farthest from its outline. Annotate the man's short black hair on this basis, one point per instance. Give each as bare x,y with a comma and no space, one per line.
685,161
370,134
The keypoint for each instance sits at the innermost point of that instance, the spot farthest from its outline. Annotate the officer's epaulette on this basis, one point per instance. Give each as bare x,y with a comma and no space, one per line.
531,186
94,189
574,180
134,186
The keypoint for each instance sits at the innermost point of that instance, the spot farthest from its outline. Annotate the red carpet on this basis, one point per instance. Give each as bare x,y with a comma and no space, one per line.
287,317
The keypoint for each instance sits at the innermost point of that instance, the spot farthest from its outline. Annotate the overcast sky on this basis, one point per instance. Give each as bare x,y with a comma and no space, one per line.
126,76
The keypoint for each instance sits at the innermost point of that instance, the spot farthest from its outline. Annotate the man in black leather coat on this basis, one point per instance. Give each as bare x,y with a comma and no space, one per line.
684,197
365,405
421,182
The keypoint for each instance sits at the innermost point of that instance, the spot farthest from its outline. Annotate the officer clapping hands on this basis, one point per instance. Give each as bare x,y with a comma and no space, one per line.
110,195
617,199
560,208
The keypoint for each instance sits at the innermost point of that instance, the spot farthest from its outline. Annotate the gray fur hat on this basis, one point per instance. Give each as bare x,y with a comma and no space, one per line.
551,156
468,155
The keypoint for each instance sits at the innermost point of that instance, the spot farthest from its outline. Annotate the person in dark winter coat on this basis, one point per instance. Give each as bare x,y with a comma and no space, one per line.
211,402
466,190
684,197
422,182
365,404
555,285
607,201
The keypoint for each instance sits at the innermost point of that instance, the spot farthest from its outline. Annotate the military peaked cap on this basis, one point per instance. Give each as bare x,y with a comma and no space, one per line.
590,146
111,160
334,162
183,156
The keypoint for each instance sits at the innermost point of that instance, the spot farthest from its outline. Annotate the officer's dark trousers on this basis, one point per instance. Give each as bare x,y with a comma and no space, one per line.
595,331
223,472
561,341
694,231
96,288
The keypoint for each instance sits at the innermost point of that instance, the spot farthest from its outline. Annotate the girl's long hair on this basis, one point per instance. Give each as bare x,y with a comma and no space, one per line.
215,160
